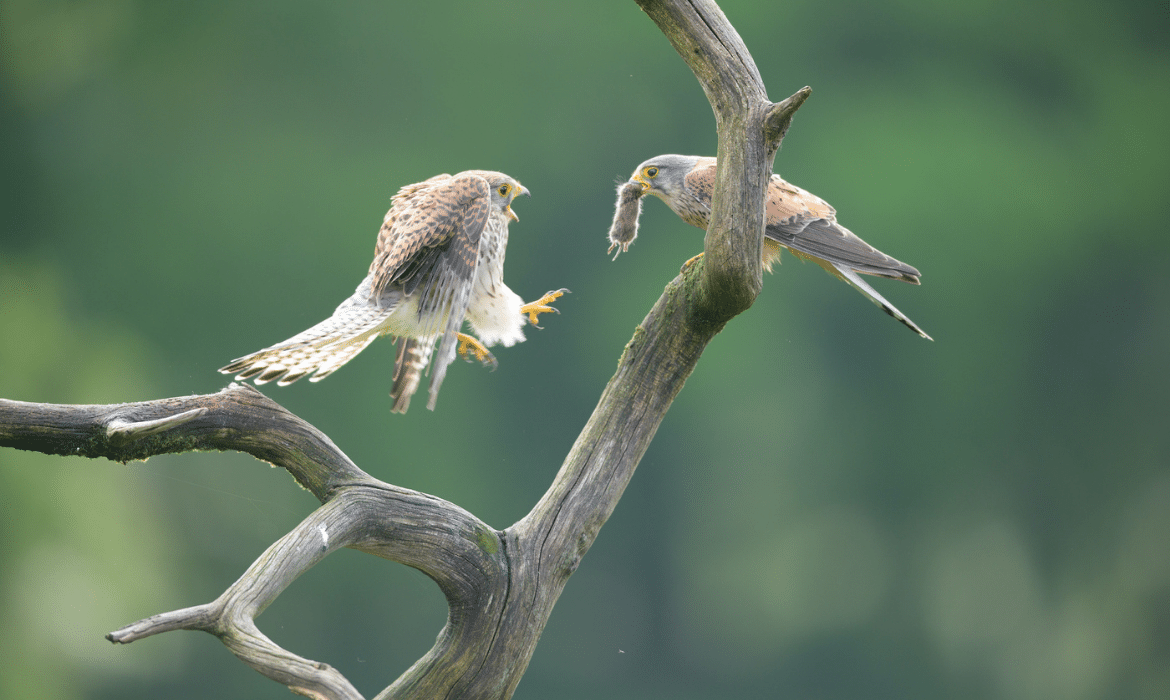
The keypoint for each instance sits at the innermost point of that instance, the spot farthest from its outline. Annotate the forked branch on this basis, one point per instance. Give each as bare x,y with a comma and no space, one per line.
750,129
500,585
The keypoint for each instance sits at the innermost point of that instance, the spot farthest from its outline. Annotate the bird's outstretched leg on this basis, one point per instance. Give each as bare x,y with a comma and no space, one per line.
540,306
470,346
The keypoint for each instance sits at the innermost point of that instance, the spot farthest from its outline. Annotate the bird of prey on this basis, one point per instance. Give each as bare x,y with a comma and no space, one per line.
795,219
439,261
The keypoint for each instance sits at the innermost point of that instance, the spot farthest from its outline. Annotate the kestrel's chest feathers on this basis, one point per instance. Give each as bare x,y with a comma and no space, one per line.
693,212
489,272
692,203
494,310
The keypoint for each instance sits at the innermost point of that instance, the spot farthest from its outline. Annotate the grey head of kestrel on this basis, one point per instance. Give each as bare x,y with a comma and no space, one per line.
795,219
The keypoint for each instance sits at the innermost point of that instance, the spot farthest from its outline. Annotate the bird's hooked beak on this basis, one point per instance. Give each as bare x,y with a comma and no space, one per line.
641,181
524,191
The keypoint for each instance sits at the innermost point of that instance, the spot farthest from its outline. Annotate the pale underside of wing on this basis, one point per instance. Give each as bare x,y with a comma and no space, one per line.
321,349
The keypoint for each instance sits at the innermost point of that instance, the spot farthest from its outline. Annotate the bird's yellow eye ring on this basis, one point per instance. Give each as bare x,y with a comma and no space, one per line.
504,189
650,172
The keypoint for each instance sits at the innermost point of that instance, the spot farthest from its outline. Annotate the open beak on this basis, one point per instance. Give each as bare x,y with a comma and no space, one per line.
641,181
511,214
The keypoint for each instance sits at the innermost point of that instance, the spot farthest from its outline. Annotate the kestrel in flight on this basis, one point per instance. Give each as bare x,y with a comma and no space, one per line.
439,261
795,219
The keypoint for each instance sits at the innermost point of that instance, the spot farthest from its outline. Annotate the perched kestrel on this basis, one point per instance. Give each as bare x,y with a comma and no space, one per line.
795,219
439,261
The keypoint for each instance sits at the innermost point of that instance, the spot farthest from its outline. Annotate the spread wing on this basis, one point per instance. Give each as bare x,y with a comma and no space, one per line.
433,227
429,244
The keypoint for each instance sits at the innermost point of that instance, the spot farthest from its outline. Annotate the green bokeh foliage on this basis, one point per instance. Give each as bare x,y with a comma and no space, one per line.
833,508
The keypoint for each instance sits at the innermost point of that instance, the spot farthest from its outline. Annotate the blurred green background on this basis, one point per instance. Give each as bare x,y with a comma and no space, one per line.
834,508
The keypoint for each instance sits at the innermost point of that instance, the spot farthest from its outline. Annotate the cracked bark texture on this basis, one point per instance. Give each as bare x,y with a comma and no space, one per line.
500,586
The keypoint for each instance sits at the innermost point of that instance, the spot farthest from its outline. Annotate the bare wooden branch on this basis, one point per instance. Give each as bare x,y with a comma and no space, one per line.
237,418
546,546
123,431
779,116
700,32
460,552
231,616
500,586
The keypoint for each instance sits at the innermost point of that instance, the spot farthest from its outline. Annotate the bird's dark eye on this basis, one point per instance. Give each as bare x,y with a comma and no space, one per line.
651,171
504,189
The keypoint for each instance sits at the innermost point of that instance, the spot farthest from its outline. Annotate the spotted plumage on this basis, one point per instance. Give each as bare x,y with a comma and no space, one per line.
438,261
795,219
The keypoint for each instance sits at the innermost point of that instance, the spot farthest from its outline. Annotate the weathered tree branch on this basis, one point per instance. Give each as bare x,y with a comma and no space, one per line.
749,136
237,418
780,115
231,616
500,586
453,547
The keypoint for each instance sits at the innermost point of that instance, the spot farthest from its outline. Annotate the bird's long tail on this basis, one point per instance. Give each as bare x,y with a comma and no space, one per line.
320,350
412,359
860,285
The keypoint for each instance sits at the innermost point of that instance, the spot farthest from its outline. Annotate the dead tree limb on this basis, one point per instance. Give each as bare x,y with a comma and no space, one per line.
500,585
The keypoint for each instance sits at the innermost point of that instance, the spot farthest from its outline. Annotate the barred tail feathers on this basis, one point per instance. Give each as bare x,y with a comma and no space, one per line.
320,350
412,359
455,300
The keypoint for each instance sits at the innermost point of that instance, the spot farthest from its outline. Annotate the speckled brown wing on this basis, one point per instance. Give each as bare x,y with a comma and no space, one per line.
440,219
805,223
429,245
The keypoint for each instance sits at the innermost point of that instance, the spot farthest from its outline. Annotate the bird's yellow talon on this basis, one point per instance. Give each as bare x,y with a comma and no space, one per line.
690,262
540,306
469,345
